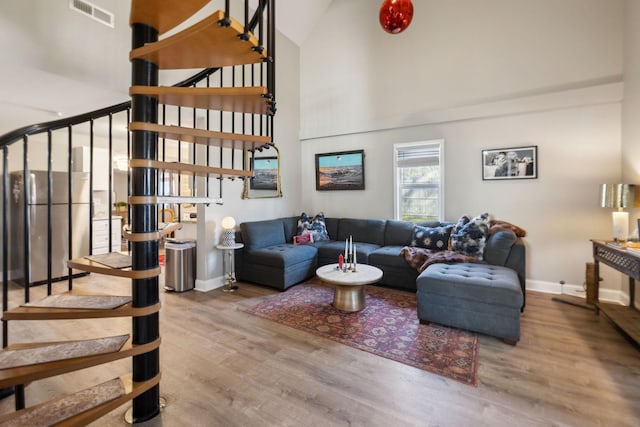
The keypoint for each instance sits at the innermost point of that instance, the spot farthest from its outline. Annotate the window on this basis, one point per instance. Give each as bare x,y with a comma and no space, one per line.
418,175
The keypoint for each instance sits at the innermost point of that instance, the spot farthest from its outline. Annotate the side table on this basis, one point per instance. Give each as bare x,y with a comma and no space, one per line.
627,262
229,267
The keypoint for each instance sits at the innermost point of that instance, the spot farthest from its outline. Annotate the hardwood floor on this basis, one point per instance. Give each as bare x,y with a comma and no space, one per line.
223,367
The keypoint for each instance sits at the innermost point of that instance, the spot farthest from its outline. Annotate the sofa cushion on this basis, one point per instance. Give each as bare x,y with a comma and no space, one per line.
469,237
362,230
290,227
434,223
398,233
434,238
388,256
314,226
283,256
261,234
332,227
330,250
498,246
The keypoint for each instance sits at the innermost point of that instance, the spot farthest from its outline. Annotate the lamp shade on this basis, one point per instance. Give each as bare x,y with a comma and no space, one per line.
228,222
617,196
228,233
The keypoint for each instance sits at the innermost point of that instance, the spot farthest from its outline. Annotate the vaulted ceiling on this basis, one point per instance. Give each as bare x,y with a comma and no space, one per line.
57,62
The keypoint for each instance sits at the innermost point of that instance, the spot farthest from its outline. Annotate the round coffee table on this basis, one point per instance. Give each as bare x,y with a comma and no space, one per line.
349,285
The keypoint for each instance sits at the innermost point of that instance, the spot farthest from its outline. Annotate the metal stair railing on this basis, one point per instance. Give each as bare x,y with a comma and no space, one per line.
24,142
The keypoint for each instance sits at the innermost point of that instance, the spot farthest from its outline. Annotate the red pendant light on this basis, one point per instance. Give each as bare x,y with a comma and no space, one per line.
395,15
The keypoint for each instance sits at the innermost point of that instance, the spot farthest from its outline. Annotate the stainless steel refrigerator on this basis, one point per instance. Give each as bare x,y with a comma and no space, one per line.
37,238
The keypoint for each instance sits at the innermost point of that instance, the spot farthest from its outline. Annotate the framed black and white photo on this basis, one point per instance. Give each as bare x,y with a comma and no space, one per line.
265,173
510,163
340,171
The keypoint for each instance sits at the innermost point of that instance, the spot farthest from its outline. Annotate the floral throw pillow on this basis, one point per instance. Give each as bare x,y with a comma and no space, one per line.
434,238
470,236
314,226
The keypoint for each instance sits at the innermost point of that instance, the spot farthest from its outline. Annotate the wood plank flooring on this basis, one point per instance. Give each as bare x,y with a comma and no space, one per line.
223,367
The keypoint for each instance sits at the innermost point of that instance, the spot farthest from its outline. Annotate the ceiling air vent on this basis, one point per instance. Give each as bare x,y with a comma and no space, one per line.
93,12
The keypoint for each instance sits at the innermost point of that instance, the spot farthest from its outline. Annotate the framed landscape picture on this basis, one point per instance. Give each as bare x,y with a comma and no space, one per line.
340,171
510,163
265,171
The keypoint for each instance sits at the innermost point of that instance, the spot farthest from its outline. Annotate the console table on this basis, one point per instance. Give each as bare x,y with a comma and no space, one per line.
626,318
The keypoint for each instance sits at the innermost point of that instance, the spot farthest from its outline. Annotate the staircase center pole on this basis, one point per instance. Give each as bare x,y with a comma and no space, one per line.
145,292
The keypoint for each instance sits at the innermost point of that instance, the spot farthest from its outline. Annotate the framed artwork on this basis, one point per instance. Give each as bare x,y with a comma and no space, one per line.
340,171
265,173
510,163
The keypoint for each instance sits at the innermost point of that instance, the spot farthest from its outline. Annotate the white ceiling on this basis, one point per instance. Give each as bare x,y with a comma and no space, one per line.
48,75
296,18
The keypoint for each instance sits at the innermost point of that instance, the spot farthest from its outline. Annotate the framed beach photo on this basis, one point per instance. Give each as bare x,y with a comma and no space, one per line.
340,171
265,170
510,163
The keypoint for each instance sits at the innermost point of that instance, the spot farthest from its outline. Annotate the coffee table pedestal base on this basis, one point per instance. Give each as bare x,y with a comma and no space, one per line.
349,298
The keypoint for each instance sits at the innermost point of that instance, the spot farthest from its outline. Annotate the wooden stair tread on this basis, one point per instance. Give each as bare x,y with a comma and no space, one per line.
205,137
25,374
163,15
206,44
82,408
251,100
188,168
21,356
95,267
165,200
67,300
39,313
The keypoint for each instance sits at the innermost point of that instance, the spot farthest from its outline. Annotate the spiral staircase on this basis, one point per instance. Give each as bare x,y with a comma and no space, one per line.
216,43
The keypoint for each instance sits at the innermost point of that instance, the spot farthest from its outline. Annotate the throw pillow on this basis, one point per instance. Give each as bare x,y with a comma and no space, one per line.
470,236
316,227
434,238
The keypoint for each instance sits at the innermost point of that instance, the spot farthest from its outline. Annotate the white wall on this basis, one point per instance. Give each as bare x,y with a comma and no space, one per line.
356,77
287,123
479,75
631,106
630,122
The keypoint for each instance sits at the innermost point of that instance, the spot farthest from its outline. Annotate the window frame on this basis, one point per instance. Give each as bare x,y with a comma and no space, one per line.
396,173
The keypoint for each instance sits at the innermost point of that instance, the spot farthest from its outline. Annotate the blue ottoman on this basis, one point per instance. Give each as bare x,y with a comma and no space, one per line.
478,297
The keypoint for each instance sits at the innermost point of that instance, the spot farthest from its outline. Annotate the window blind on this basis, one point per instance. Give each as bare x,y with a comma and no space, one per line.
424,155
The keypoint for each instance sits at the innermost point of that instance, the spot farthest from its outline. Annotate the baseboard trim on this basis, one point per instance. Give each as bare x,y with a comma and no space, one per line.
607,295
209,284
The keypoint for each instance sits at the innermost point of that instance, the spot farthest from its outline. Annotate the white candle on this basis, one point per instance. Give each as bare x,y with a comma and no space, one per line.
346,254
350,246
355,252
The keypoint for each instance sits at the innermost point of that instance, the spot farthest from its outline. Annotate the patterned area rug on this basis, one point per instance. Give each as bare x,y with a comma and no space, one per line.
387,327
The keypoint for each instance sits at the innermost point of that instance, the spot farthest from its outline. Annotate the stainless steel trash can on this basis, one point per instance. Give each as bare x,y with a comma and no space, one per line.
180,264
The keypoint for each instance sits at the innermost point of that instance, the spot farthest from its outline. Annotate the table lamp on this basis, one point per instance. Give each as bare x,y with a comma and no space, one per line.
228,232
618,196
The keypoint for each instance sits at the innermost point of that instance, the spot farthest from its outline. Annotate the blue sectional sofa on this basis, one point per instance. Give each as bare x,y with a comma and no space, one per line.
488,299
